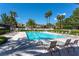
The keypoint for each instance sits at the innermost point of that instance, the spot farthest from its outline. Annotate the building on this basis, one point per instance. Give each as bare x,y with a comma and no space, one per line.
4,26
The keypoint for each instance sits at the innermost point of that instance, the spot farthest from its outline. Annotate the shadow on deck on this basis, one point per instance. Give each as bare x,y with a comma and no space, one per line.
70,51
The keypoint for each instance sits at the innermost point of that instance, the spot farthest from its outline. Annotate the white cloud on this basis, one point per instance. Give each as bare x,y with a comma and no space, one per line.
55,18
63,14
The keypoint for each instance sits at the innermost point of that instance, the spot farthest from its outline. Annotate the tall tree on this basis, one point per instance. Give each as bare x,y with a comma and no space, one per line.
67,23
31,23
13,14
9,19
4,18
0,21
75,18
60,19
48,14
12,18
76,13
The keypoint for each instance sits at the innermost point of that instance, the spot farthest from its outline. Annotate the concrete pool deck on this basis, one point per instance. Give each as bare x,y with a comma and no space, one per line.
16,35
32,50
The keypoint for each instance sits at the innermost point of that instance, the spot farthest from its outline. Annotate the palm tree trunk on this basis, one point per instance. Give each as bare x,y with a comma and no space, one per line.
60,24
49,20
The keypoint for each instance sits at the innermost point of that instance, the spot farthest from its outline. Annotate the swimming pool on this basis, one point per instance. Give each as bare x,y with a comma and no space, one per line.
42,36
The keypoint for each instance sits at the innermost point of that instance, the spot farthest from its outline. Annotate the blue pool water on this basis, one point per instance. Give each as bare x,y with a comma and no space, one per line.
42,36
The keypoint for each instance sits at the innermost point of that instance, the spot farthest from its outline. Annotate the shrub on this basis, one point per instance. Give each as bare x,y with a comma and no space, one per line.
4,31
74,32
3,40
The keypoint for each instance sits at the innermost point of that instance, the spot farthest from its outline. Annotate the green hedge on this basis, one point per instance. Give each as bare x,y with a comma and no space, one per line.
60,31
3,40
72,32
4,31
75,32
31,30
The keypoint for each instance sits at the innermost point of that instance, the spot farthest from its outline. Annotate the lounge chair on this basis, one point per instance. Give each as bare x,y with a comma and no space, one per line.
67,43
53,48
39,43
75,43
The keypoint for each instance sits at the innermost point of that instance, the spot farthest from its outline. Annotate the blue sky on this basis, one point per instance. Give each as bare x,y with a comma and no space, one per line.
36,11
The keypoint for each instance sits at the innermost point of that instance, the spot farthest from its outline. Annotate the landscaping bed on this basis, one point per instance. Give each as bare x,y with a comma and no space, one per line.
71,32
4,31
3,40
64,31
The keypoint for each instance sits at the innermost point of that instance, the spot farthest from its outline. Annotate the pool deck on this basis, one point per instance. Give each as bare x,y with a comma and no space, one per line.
32,50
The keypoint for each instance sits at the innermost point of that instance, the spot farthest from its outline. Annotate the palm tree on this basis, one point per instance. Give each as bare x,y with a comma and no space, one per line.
9,19
76,13
13,14
12,19
48,14
31,23
4,18
60,19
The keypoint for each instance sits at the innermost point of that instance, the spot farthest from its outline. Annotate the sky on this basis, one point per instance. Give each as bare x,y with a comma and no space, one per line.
37,11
